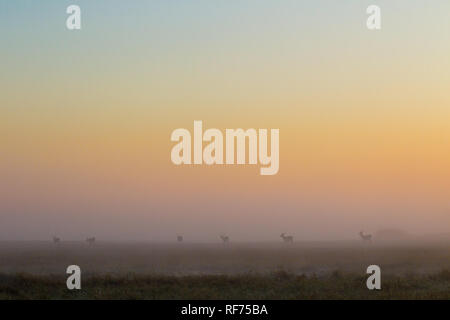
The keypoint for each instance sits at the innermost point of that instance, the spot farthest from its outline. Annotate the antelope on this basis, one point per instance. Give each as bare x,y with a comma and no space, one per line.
287,239
179,238
56,240
225,239
365,237
90,241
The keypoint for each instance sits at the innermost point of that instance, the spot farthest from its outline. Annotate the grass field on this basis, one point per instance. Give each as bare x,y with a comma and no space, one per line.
277,285
213,271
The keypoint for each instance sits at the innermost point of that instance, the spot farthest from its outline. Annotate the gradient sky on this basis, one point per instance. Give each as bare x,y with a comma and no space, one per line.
86,118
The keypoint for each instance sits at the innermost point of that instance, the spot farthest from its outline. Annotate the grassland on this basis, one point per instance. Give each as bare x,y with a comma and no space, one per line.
277,285
238,271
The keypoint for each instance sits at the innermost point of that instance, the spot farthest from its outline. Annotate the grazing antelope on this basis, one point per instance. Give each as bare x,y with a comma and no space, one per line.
179,238
225,239
90,241
287,239
56,240
365,237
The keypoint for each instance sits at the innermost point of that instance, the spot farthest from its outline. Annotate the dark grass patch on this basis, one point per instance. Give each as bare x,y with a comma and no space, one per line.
276,285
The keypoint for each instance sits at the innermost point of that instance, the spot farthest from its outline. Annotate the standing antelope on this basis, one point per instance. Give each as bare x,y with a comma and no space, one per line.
365,237
179,238
90,241
225,239
287,239
56,240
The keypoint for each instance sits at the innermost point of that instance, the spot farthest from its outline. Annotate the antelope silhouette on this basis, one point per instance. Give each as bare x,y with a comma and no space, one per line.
287,239
225,239
56,240
90,241
365,237
179,238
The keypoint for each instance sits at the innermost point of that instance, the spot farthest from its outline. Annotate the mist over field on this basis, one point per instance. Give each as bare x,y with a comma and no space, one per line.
306,270
206,225
181,259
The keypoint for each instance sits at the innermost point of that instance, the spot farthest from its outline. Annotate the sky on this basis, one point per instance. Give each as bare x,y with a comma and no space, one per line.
86,118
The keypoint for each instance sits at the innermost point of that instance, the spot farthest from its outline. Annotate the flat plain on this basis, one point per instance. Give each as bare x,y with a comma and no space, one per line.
303,270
